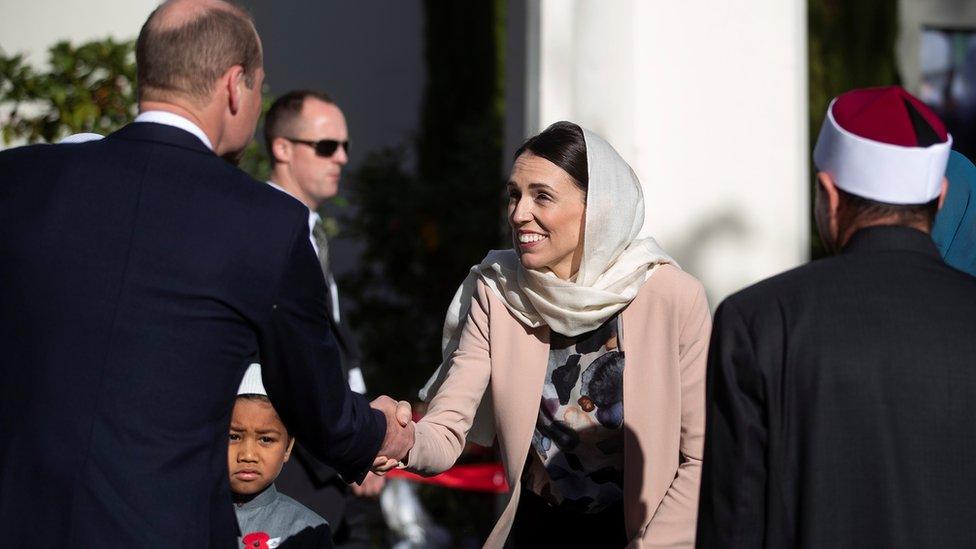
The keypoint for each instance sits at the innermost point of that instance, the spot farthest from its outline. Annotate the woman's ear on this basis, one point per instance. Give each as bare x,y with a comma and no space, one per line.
291,444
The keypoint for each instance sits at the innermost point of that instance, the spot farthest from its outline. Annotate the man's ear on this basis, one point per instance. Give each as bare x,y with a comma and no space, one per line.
281,150
233,80
291,444
830,188
945,191
827,220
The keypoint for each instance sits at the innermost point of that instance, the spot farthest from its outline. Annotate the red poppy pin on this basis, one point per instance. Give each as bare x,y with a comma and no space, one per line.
256,540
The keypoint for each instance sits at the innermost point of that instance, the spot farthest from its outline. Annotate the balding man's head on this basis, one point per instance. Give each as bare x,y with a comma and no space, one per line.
186,45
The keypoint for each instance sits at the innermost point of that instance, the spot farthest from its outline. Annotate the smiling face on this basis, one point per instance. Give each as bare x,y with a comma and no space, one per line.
259,446
547,212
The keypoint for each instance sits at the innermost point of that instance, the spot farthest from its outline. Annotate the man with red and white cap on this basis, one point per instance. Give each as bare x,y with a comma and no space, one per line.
842,394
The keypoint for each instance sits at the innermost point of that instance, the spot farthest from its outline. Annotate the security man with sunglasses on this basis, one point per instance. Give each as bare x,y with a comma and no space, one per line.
308,143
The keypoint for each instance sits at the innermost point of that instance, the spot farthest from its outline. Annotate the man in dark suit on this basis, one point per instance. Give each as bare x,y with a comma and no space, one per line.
841,394
307,139
138,276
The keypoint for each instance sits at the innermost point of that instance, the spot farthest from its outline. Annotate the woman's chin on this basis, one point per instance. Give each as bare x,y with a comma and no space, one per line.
534,265
528,261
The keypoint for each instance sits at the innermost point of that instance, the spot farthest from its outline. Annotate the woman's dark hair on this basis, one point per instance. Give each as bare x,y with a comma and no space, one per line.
563,145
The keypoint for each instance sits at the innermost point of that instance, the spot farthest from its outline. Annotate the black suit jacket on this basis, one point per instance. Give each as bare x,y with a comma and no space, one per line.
138,274
842,404
317,485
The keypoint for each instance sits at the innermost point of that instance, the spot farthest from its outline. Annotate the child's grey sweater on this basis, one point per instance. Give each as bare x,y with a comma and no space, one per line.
272,517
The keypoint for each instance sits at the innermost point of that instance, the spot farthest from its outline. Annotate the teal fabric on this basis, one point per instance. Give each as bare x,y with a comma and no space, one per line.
955,225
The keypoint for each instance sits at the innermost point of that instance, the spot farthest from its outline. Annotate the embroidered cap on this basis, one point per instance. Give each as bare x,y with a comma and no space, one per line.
885,145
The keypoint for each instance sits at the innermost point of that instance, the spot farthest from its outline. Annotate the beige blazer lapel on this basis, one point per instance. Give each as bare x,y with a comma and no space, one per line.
518,373
520,356
651,416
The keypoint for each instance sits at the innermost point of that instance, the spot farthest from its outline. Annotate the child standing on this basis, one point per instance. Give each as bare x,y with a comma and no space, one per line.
259,445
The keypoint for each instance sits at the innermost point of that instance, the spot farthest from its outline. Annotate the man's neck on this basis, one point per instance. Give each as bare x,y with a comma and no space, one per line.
198,118
882,221
282,178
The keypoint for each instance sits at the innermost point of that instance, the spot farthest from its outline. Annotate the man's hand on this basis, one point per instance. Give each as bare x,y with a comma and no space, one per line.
399,429
370,488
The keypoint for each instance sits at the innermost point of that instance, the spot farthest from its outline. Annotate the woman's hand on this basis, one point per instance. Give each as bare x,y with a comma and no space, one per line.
383,465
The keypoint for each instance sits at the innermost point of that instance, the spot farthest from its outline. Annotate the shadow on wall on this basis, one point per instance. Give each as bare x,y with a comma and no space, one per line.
713,251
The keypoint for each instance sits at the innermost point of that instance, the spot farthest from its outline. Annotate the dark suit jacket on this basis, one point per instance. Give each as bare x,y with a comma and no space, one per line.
842,404
317,485
349,352
138,274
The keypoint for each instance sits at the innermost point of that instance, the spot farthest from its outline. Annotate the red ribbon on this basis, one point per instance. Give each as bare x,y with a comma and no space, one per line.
478,477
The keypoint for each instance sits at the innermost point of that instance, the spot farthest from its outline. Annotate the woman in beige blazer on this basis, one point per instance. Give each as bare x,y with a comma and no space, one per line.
544,342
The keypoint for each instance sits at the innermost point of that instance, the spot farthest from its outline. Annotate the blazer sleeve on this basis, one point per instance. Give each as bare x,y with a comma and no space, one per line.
442,432
303,376
733,491
673,523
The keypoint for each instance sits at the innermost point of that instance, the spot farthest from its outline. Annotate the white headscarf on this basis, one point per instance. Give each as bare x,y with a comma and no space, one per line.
613,267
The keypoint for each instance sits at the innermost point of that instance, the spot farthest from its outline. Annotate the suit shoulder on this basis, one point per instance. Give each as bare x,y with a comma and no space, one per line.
770,291
269,201
21,168
278,200
964,280
30,153
17,152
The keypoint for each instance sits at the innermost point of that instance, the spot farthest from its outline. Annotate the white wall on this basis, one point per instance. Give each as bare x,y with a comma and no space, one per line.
32,26
707,101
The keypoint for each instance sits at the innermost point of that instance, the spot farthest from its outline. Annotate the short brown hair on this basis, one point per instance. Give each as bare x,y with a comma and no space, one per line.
285,112
186,58
857,209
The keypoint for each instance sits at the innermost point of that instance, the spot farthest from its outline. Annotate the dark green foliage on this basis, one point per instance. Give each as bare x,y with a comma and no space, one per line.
851,45
89,88
423,231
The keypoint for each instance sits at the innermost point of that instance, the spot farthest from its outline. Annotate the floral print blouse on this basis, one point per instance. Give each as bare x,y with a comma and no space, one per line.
577,457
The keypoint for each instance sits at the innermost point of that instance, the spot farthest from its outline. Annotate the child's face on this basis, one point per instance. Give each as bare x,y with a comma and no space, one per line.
259,446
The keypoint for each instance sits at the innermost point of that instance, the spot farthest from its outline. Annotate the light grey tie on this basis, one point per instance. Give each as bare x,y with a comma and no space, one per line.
322,241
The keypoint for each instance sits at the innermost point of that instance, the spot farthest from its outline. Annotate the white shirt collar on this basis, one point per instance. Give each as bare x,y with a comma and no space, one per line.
177,121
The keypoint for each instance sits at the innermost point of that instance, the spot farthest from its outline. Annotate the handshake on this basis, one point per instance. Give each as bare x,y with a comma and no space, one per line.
400,433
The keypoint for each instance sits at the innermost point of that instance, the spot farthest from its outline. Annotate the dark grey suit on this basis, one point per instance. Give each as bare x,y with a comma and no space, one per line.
842,404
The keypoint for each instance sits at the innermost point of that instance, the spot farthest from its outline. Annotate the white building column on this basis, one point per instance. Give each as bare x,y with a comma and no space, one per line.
708,103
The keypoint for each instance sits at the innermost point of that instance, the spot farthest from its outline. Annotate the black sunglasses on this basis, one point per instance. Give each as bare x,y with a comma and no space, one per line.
323,147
